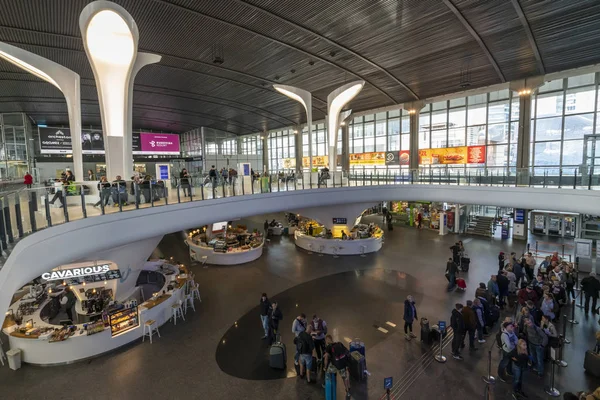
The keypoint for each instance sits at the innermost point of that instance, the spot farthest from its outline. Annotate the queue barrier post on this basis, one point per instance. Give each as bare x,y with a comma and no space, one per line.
573,320
552,391
489,378
564,330
18,215
560,362
440,357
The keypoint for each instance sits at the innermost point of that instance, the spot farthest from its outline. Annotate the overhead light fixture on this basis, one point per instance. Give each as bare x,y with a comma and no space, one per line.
295,132
343,123
412,111
524,92
28,67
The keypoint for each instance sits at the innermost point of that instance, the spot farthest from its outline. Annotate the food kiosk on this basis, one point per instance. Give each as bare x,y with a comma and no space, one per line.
222,244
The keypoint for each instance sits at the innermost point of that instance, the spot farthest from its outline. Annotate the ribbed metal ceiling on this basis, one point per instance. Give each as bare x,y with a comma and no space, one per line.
404,50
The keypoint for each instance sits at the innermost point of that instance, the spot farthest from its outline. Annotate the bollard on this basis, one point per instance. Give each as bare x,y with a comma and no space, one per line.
489,379
552,391
580,305
564,329
573,320
440,357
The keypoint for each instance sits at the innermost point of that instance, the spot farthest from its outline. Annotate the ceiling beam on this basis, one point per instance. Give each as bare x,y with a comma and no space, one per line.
329,41
532,42
289,46
477,38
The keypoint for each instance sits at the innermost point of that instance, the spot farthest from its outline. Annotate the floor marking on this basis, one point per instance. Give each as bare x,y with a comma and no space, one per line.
382,330
391,324
347,339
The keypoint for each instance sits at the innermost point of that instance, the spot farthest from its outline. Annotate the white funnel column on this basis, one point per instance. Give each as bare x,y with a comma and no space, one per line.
335,102
65,80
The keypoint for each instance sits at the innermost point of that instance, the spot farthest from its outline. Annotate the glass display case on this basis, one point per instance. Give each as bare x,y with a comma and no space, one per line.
123,320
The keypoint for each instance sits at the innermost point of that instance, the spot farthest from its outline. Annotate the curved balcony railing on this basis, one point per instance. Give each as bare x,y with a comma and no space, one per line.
28,210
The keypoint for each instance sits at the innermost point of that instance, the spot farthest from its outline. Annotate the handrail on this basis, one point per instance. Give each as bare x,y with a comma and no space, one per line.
28,210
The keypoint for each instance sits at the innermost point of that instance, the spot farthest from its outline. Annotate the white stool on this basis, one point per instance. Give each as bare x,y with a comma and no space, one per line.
196,293
204,259
189,302
177,311
335,251
149,327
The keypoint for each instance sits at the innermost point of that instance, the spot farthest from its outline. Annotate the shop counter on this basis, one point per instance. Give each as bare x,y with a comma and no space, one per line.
39,350
198,252
337,246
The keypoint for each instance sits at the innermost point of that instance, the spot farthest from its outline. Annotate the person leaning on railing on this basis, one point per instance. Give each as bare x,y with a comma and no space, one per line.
104,191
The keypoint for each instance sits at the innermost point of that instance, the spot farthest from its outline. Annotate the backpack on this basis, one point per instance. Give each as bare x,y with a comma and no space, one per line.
499,339
340,355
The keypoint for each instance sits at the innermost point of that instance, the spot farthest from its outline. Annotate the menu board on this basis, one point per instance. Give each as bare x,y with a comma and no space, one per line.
453,155
123,320
112,274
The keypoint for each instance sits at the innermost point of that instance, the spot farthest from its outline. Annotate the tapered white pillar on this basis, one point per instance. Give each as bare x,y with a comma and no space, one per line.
335,102
305,98
65,80
110,38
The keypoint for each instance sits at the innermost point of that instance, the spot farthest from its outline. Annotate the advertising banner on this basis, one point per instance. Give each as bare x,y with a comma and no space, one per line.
318,161
156,143
92,142
55,140
404,157
373,158
392,158
453,155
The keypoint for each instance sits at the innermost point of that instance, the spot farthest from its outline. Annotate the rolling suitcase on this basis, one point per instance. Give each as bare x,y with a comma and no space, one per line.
277,354
425,331
330,386
358,366
357,345
464,263
591,363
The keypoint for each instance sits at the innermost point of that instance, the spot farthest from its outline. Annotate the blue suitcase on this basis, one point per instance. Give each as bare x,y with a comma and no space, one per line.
330,386
358,345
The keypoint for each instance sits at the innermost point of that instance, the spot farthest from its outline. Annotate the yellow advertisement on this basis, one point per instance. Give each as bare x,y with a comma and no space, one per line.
318,161
453,155
374,158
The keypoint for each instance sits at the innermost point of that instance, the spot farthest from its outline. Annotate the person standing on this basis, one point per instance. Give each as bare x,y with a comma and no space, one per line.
503,284
451,272
509,342
265,308
71,299
274,317
458,326
91,176
470,324
493,288
479,318
520,362
299,326
410,314
212,174
28,180
319,332
184,181
304,350
529,266
569,282
590,286
501,261
537,341
419,220
104,190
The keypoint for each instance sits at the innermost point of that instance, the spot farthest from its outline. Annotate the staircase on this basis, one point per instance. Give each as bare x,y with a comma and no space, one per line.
482,226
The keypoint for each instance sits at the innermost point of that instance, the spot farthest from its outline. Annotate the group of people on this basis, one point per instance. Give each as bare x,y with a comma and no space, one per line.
310,337
453,264
226,175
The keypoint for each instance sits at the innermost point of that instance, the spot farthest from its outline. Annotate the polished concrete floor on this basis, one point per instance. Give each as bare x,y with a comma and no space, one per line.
355,295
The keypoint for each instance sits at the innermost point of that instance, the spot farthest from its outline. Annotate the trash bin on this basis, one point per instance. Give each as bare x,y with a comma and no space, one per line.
14,358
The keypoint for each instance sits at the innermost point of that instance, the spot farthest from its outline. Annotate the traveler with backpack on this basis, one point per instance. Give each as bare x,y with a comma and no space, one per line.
410,314
457,323
337,361
304,347
298,326
537,341
507,340
319,331
479,318
275,315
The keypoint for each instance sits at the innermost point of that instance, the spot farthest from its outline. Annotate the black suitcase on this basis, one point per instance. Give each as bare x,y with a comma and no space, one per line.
591,363
358,366
464,263
493,316
425,331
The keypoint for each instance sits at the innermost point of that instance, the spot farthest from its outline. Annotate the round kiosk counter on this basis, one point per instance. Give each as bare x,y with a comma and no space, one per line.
206,254
337,246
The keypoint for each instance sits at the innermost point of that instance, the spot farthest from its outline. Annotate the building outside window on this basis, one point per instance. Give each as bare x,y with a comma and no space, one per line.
282,147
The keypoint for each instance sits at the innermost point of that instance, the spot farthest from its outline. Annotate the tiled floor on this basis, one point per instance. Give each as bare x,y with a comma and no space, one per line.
355,295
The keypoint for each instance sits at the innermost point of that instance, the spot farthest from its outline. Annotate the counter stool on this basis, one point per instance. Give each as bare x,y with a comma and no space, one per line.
363,248
321,248
335,251
149,327
204,259
196,293
189,302
177,311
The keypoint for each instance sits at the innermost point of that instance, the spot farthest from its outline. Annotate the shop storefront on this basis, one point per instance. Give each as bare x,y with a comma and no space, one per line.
78,311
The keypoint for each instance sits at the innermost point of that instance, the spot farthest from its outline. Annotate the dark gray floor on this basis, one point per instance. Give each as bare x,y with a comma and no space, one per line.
185,362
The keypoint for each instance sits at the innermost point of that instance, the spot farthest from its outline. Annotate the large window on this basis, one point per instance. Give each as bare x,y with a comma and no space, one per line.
282,145
563,112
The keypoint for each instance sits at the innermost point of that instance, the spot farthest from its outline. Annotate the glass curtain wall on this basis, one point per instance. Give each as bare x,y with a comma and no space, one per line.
282,150
564,111
16,149
489,120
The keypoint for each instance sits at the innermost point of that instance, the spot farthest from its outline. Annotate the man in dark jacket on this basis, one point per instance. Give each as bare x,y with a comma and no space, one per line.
519,272
501,261
455,253
590,286
470,324
305,346
274,317
265,307
451,272
457,323
503,283
483,292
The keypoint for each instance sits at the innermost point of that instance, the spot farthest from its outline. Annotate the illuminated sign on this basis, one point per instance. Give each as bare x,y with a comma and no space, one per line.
76,272
340,221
